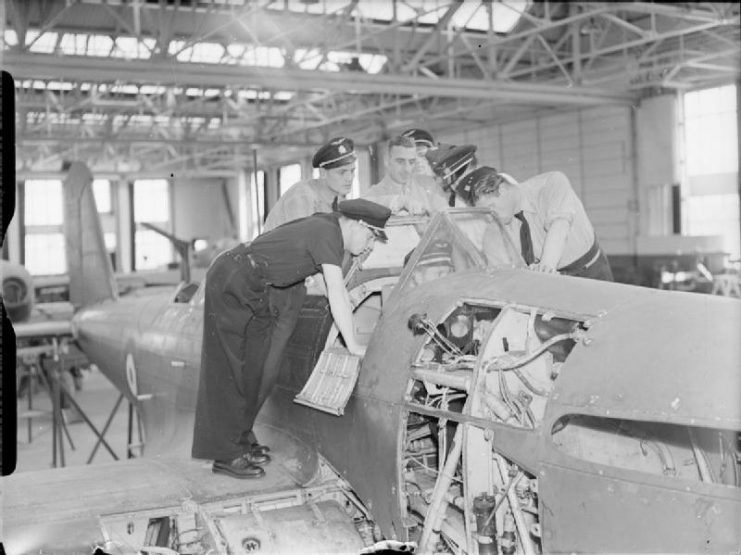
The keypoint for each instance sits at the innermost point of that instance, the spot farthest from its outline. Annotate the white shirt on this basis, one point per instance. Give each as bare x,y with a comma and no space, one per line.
545,198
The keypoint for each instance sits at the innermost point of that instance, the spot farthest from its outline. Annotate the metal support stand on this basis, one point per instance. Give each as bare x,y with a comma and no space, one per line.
57,390
105,428
130,437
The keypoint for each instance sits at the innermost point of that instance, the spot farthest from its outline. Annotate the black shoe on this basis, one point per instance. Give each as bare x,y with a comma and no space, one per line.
256,457
238,468
257,448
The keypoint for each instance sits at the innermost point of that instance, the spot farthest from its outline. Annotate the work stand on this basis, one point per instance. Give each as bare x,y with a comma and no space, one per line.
59,393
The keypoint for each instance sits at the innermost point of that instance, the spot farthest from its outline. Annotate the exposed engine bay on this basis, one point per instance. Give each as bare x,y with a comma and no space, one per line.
485,366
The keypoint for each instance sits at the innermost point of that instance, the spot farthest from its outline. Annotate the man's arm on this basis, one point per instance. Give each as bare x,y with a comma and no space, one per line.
555,241
341,308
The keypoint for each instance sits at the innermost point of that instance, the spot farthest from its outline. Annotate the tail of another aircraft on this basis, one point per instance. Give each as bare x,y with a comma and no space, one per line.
90,272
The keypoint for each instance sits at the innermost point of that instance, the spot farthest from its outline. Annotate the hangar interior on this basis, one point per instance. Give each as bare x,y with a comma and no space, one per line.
195,115
522,414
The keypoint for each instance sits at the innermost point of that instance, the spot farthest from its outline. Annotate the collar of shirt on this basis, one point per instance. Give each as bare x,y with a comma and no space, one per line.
526,205
387,181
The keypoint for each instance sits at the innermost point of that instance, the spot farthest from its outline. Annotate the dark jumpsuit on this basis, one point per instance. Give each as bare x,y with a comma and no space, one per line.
243,339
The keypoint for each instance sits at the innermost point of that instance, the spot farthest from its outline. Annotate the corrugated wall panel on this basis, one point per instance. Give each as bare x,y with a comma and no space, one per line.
592,147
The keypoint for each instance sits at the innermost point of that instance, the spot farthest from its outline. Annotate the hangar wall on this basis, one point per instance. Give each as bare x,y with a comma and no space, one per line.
593,147
622,162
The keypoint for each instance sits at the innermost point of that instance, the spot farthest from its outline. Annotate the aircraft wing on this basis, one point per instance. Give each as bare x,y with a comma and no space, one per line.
123,507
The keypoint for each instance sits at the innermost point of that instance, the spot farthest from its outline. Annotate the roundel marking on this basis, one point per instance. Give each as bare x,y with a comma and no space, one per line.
131,375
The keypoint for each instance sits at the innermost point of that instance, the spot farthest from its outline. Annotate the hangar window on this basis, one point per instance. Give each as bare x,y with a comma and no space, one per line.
43,219
257,193
43,202
152,205
287,177
711,169
45,254
102,193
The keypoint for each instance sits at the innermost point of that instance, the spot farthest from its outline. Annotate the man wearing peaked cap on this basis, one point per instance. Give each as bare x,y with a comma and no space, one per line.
545,216
449,163
336,164
370,214
402,189
245,331
424,142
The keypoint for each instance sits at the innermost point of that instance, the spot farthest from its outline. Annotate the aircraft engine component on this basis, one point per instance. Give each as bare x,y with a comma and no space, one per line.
479,389
17,291
483,506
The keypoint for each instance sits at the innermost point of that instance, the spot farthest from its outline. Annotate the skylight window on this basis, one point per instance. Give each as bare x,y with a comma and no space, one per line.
251,94
471,15
10,38
132,48
99,45
73,44
203,52
340,60
152,89
43,44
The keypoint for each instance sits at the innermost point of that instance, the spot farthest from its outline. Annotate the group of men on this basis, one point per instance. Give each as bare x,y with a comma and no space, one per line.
254,292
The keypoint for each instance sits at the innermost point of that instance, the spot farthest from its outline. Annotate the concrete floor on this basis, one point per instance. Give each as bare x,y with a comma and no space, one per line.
97,399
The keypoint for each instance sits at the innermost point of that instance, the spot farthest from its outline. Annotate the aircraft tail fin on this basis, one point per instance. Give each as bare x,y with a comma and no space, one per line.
90,272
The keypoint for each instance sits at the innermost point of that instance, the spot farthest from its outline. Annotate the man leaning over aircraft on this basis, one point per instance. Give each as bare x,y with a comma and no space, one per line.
554,232
336,163
239,360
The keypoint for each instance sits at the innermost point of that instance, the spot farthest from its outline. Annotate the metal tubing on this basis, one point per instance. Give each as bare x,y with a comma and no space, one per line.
514,505
446,380
437,503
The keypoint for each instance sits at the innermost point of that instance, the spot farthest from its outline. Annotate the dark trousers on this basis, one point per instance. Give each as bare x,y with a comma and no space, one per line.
593,265
236,339
285,306
246,327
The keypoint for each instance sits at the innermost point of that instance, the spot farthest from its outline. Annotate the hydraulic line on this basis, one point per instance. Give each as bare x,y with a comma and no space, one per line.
531,387
436,512
495,364
702,462
514,505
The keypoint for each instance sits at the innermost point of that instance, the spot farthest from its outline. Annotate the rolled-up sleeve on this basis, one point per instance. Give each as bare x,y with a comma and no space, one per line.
557,199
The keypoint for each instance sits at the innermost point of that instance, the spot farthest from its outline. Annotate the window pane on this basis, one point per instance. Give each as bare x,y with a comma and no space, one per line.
151,200
710,131
716,215
257,194
45,253
44,203
102,193
288,176
152,250
711,140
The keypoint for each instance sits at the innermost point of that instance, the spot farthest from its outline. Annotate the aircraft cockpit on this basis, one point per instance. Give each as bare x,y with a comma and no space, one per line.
422,249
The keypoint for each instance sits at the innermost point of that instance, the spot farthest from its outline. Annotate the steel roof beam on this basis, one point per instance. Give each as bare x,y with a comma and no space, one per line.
73,68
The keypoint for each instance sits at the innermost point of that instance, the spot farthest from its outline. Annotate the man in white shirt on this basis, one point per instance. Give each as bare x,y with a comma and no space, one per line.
400,189
546,218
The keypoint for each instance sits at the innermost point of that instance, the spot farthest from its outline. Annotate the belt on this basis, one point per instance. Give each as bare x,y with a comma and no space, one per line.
585,260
